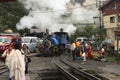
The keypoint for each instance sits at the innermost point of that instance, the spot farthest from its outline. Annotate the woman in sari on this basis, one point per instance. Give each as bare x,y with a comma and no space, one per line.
17,65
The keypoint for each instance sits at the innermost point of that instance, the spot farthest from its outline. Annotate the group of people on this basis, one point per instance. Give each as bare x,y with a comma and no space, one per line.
16,61
81,50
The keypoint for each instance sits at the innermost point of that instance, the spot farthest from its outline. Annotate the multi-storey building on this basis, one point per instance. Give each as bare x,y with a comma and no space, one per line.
111,19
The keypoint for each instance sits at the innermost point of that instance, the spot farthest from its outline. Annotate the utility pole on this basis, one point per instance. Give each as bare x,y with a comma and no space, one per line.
100,19
118,32
99,4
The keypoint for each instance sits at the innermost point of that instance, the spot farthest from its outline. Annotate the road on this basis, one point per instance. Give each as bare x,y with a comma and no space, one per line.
35,67
42,64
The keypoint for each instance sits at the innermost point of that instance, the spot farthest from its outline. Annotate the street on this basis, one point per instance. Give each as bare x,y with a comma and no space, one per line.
43,64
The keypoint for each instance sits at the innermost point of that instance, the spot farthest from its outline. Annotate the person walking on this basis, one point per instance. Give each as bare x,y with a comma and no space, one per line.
17,65
78,50
73,46
26,53
83,51
7,55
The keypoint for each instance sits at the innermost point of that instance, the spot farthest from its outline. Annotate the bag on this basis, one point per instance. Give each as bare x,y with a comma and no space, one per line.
28,59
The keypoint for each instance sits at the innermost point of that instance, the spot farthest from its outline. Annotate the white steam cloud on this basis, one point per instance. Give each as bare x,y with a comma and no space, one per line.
47,14
84,13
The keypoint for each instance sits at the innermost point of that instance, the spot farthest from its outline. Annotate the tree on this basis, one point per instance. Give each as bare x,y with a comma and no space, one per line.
10,14
86,31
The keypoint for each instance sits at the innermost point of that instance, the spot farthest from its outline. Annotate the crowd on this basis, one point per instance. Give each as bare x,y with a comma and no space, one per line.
83,50
17,59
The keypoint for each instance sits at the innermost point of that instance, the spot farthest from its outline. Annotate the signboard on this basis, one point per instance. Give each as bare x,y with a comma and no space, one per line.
6,0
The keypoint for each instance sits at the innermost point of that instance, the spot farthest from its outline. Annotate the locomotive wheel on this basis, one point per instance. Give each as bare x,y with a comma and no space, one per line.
47,44
37,50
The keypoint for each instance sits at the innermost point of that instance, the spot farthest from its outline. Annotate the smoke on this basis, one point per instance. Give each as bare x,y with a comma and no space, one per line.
48,14
84,13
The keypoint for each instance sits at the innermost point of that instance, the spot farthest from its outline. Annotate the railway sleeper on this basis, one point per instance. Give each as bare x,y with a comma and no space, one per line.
3,69
51,74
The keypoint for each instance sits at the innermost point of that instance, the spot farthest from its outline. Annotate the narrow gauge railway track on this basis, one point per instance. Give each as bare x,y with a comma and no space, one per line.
71,72
3,69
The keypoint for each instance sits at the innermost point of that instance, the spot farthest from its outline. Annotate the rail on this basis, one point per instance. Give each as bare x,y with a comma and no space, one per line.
66,73
74,73
80,72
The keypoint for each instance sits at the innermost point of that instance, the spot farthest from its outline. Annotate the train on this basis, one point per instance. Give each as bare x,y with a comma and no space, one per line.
54,44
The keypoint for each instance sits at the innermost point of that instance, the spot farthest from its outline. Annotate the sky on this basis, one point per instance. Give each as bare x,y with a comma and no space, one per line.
49,14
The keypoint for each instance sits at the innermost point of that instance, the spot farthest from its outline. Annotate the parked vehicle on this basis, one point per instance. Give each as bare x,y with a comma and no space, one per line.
82,39
6,39
91,40
31,42
106,41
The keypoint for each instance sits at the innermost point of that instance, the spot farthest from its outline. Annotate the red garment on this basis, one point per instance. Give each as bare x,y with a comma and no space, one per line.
89,51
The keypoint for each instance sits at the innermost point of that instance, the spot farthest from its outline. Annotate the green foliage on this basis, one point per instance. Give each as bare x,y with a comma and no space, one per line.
10,14
72,37
111,58
86,31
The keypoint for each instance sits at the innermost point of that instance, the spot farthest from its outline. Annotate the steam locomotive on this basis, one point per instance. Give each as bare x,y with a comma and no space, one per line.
55,44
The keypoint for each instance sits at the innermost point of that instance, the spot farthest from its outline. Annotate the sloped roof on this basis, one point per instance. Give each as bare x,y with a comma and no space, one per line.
106,3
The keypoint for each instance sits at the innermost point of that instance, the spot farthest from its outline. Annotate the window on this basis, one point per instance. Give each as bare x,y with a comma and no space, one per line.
119,19
4,40
112,19
33,40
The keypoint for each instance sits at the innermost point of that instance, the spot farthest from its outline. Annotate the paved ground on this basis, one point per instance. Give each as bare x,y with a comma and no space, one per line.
106,69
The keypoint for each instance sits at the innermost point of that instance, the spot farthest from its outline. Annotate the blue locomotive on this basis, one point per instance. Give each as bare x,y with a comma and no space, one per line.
55,44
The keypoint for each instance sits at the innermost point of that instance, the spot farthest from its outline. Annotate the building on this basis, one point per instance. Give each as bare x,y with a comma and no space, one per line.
6,0
111,19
